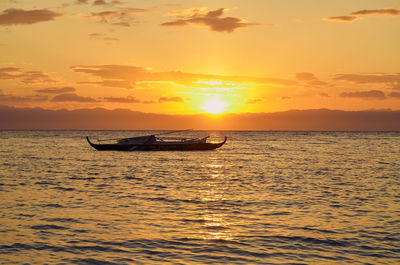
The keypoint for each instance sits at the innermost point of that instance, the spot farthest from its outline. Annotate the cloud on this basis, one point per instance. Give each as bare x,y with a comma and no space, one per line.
378,12
347,18
10,98
55,90
310,79
128,76
111,83
394,95
9,72
67,96
170,99
254,101
385,12
14,16
99,2
209,18
368,78
71,97
32,77
305,76
26,77
371,94
100,36
123,17
81,2
105,3
128,99
396,86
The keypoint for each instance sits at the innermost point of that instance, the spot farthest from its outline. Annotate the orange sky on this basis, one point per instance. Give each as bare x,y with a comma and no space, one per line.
189,57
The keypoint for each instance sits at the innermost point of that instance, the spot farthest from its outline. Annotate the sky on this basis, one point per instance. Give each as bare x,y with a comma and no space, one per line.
192,56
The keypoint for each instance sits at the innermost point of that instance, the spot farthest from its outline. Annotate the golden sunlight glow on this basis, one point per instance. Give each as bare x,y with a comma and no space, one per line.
217,85
214,106
210,82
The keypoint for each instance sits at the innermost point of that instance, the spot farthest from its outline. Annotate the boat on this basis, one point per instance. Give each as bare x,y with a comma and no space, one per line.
154,143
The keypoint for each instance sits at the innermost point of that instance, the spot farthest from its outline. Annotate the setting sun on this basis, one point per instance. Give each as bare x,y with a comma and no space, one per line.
214,106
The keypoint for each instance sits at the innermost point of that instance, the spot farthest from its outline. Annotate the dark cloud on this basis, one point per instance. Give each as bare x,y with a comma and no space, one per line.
105,3
56,90
71,97
10,98
347,18
310,79
368,78
170,99
123,17
99,2
379,12
32,77
210,18
128,99
116,72
394,95
27,77
110,39
128,76
9,73
95,35
14,16
81,2
387,12
371,94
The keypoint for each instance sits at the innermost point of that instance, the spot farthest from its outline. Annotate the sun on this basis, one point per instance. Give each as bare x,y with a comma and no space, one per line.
214,106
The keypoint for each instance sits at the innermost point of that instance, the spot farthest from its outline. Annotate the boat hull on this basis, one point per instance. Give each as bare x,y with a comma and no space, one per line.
157,146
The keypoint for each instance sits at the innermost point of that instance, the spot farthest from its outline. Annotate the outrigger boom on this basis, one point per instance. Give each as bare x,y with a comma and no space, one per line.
103,140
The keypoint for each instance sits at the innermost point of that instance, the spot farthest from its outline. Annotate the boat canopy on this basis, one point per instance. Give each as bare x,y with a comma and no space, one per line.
138,140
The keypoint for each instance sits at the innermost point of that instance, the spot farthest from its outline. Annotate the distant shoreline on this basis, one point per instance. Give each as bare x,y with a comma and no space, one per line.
122,119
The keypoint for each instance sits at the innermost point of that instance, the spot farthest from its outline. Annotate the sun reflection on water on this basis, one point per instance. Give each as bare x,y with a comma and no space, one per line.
215,213
216,227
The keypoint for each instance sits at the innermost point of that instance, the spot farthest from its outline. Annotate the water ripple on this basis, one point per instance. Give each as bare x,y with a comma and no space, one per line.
264,198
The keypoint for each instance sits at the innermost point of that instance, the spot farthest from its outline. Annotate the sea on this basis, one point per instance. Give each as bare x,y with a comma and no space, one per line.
265,197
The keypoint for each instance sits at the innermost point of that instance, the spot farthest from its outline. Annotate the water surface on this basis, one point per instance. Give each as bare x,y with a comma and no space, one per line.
263,198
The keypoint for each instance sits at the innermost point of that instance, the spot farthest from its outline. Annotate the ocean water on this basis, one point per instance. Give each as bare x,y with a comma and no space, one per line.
263,198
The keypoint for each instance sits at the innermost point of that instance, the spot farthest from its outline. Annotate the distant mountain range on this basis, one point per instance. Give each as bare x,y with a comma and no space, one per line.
123,119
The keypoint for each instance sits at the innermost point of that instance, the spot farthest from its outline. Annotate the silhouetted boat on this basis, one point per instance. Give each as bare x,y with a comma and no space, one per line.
153,143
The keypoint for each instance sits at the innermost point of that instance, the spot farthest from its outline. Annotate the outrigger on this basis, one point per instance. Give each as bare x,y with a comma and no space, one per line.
153,143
